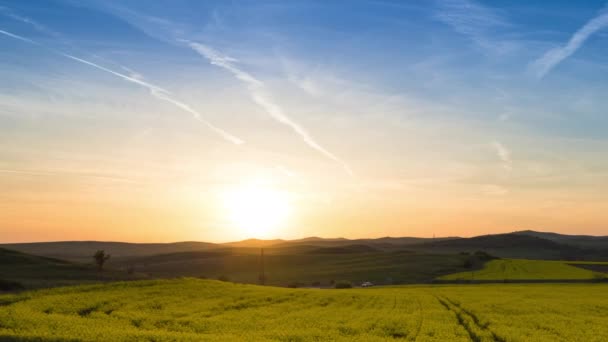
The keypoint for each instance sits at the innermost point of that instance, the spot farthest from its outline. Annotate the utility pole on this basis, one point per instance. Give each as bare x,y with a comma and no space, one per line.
262,274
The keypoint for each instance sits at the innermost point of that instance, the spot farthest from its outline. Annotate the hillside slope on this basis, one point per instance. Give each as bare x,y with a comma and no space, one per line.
520,269
584,241
515,245
32,271
83,250
284,266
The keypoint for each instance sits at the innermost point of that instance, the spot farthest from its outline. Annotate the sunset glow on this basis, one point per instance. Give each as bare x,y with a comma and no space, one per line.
256,211
415,118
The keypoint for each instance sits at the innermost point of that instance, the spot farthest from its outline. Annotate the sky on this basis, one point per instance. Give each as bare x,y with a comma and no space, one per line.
132,120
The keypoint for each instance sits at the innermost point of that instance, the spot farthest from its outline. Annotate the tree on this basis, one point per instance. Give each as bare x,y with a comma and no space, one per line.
343,285
100,258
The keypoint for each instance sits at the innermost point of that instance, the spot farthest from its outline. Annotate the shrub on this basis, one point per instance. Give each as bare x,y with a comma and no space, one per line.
9,285
131,270
343,285
481,255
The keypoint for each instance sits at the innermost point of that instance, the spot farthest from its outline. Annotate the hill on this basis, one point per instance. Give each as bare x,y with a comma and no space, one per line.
515,245
584,241
312,260
29,271
254,243
303,265
82,251
521,269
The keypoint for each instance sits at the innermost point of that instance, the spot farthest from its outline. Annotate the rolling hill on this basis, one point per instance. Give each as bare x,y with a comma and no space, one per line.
522,269
304,267
583,241
306,261
30,271
82,251
516,245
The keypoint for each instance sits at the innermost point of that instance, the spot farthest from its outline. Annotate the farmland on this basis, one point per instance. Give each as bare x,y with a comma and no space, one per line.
521,269
193,309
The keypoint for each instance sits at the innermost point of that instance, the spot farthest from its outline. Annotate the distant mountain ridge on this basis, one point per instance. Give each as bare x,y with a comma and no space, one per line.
575,240
518,244
385,260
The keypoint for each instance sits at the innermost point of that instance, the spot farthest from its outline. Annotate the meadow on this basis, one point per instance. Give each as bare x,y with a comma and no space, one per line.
523,269
193,309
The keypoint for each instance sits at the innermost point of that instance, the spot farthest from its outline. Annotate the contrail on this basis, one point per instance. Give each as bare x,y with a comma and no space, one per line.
256,87
155,91
20,38
504,155
553,57
59,37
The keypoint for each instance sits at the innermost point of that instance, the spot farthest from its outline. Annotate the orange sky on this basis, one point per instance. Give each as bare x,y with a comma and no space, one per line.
461,120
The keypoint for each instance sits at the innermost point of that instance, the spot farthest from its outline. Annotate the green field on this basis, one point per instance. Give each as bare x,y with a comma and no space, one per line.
192,309
522,269
284,267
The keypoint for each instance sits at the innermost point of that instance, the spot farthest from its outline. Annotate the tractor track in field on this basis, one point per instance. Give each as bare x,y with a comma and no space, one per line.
419,328
470,322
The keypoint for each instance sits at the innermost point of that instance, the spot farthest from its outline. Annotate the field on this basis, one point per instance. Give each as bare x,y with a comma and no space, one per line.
521,269
284,267
193,309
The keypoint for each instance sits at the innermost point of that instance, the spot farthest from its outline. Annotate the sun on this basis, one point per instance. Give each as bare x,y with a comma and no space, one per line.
258,211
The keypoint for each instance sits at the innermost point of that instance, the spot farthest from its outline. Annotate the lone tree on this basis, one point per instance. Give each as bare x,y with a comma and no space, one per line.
100,258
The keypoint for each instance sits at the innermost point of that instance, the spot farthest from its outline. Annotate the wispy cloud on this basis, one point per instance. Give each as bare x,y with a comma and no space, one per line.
260,97
494,190
553,57
475,21
63,173
61,38
33,23
155,91
504,155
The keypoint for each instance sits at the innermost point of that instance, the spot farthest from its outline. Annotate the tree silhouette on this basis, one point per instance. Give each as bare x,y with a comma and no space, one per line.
100,258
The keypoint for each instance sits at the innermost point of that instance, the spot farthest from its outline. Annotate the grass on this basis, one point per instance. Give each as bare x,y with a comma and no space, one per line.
303,267
522,269
194,310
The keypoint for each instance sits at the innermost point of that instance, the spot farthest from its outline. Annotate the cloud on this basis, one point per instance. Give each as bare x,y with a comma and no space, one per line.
494,190
265,101
475,21
504,117
553,57
504,155
36,25
155,91
56,173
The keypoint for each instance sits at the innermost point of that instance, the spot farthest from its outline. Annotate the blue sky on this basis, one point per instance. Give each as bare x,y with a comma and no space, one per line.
451,117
